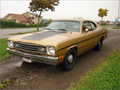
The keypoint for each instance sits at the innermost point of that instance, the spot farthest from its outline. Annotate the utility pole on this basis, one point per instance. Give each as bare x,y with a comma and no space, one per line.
118,23
118,10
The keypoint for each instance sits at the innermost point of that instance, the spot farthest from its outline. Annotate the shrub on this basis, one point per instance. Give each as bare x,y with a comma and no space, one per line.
11,24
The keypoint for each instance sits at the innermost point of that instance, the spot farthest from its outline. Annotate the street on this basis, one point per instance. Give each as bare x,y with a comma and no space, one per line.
4,33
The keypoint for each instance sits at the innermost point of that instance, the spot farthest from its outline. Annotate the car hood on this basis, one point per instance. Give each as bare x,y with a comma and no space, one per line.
45,38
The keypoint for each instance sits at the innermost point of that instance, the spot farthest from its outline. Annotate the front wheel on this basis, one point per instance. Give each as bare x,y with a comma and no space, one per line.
70,59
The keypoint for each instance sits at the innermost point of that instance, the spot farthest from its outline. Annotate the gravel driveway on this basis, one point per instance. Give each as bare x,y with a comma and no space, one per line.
40,76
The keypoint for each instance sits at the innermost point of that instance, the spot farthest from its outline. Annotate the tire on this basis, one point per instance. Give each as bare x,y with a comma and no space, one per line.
99,45
70,59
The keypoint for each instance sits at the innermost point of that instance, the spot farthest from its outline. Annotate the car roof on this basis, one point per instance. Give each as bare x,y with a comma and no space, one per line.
80,20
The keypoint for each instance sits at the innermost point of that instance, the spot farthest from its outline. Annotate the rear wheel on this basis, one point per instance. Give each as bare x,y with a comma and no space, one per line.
70,59
99,46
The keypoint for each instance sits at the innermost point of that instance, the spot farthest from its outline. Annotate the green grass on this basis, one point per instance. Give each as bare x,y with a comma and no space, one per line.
116,27
105,76
5,83
22,33
108,25
3,52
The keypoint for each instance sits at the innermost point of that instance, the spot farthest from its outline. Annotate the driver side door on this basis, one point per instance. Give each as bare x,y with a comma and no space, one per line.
88,36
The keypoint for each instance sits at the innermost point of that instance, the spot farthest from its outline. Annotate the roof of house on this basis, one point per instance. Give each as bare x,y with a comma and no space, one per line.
31,13
18,17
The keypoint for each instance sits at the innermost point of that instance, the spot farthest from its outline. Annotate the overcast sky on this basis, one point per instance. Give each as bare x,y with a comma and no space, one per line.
87,9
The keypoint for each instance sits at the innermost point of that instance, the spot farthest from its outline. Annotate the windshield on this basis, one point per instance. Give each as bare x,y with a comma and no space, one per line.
72,26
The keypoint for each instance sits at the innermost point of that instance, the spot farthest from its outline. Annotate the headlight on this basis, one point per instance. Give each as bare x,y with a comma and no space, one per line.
51,50
10,44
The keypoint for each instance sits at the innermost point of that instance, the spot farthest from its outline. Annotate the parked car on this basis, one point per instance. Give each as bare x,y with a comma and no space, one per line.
59,43
118,24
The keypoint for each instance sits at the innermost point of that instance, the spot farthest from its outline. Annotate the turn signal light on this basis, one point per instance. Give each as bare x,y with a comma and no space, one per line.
61,57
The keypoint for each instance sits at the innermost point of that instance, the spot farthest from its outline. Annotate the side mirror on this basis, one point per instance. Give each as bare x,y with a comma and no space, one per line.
86,30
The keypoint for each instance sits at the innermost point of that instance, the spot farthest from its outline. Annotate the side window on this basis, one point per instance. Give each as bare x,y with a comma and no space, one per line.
93,25
87,25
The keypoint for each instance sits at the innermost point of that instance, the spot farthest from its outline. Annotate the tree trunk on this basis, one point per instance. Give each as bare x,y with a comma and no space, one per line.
38,20
102,19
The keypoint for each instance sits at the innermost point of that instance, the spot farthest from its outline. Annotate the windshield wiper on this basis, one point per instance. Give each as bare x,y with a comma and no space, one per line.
56,29
63,29
48,29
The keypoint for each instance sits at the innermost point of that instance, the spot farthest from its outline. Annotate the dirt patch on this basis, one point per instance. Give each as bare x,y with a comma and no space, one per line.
37,76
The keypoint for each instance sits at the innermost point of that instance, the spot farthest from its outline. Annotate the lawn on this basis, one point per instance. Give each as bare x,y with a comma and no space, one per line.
108,25
116,27
105,76
3,52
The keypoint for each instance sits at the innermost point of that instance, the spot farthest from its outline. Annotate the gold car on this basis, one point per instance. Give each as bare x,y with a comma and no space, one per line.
59,43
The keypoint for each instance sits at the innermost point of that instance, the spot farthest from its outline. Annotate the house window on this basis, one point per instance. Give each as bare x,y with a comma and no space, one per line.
31,17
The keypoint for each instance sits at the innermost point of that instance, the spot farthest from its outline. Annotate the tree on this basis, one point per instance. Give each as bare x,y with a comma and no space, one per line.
41,6
102,13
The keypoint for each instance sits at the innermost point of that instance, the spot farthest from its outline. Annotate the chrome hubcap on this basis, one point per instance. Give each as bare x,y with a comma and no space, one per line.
70,58
100,44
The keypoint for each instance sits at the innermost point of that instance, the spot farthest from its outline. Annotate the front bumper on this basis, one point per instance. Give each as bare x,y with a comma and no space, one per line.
35,58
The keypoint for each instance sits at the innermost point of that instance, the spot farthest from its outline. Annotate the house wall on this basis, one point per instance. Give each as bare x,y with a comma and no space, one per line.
36,20
32,17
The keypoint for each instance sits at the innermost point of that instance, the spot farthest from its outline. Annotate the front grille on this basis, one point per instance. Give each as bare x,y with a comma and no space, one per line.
27,47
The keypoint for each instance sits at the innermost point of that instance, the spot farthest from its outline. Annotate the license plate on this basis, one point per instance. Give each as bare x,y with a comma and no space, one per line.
26,60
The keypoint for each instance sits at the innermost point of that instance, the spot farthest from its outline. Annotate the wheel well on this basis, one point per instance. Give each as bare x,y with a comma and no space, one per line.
75,48
102,38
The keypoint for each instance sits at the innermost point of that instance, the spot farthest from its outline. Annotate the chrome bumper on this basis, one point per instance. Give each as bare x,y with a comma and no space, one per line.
34,58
